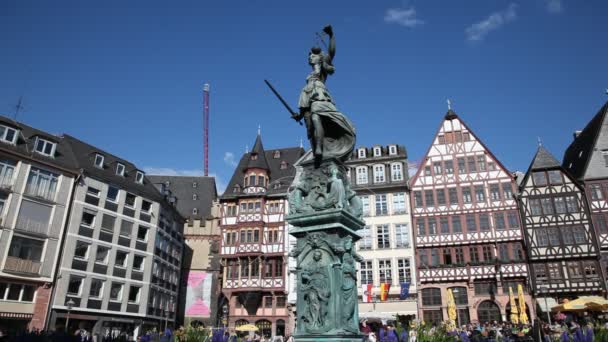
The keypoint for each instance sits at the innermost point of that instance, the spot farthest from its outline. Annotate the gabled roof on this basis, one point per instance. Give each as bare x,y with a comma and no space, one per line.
578,156
183,188
543,159
279,178
260,161
25,144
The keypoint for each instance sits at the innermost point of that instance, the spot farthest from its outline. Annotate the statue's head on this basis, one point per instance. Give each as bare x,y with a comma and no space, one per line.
317,255
315,56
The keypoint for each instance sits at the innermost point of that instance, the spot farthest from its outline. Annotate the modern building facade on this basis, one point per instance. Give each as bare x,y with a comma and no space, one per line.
37,173
255,240
562,248
200,290
467,228
379,177
586,159
120,265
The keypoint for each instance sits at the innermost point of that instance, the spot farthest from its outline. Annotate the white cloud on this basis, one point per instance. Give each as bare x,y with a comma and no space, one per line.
412,167
403,16
554,6
494,21
229,159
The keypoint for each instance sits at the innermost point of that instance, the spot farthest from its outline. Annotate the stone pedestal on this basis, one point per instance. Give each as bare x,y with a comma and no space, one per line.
326,226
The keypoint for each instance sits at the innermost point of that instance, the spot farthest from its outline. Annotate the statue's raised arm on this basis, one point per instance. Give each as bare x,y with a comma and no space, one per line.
331,48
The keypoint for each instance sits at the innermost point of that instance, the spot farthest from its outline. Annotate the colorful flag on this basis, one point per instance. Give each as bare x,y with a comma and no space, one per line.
384,287
405,291
366,295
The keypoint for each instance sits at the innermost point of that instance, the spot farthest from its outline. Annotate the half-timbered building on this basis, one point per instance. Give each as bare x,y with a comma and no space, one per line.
586,159
562,248
255,239
467,228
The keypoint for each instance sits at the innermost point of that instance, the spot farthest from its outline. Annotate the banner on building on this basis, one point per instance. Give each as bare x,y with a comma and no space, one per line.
384,287
405,291
198,294
366,295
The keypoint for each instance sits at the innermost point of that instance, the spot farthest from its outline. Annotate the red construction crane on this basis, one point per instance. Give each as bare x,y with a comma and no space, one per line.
206,127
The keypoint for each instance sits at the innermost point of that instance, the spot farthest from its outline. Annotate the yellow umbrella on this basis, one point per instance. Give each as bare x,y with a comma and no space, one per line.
247,327
451,306
514,312
523,316
584,303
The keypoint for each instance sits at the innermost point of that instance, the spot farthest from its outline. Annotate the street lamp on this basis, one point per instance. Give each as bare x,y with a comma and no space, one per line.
70,304
545,289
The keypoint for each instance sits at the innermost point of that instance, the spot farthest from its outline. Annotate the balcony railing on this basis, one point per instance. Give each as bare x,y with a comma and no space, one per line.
22,265
30,226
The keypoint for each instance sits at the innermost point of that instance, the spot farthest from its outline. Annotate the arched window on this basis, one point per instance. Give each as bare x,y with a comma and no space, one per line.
488,311
280,328
431,297
252,180
261,181
265,327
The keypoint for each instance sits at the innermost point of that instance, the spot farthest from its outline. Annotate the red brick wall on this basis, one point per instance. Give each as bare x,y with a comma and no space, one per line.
41,306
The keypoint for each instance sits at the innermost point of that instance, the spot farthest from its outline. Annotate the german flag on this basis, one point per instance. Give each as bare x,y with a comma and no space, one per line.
384,287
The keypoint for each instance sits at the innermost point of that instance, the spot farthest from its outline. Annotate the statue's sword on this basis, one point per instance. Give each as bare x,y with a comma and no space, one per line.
294,115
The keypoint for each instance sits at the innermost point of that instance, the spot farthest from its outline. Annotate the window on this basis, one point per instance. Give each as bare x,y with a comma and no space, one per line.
449,167
418,199
7,169
518,251
456,225
474,254
383,236
88,218
440,197
540,178
547,205
513,219
460,295
116,292
130,200
580,236
102,255
499,221
596,192
488,254
142,233
540,272
466,195
231,210
432,226
560,205
8,134
377,152
488,311
268,302
96,290
553,236
42,184
503,252
485,288
361,174
399,203
431,297
74,285
572,204
99,161
45,147
590,269
434,316
381,206
434,257
138,262
34,216
392,150
134,294
121,259
507,191
462,168
82,250
365,205
367,273
471,223
27,249
441,139
120,169
107,222
459,255
139,177
472,164
535,209
361,153
480,194
402,235
453,196
385,271
494,192
112,194
444,225
423,257
404,270
427,171
555,177
437,169
554,270
379,174
541,237
194,211
421,227
447,256
481,163
126,228
429,198
396,172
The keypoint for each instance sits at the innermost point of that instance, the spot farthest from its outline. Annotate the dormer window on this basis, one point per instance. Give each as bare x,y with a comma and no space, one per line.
99,161
194,211
194,197
361,153
237,189
392,150
194,184
277,154
254,156
283,165
120,169
139,177
377,152
8,134
45,147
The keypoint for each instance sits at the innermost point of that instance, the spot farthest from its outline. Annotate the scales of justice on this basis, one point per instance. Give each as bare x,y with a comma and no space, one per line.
324,211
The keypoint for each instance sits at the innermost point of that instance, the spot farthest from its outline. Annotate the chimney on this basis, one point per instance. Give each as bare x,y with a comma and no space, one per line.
576,134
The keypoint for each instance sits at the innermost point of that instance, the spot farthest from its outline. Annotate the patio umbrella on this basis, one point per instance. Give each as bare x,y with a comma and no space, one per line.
584,303
514,312
247,327
523,316
451,306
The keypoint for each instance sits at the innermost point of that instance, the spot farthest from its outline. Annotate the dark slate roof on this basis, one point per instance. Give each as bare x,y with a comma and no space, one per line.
182,187
85,156
580,151
24,147
544,160
258,150
282,177
353,158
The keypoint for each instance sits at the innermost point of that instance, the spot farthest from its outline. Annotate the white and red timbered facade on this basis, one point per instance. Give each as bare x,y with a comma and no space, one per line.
255,239
467,228
562,248
586,159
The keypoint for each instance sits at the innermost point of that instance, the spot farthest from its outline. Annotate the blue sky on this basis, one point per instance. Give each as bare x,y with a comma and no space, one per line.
127,76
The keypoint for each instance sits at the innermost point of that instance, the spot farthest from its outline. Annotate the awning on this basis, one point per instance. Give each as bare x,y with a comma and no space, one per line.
16,315
383,316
